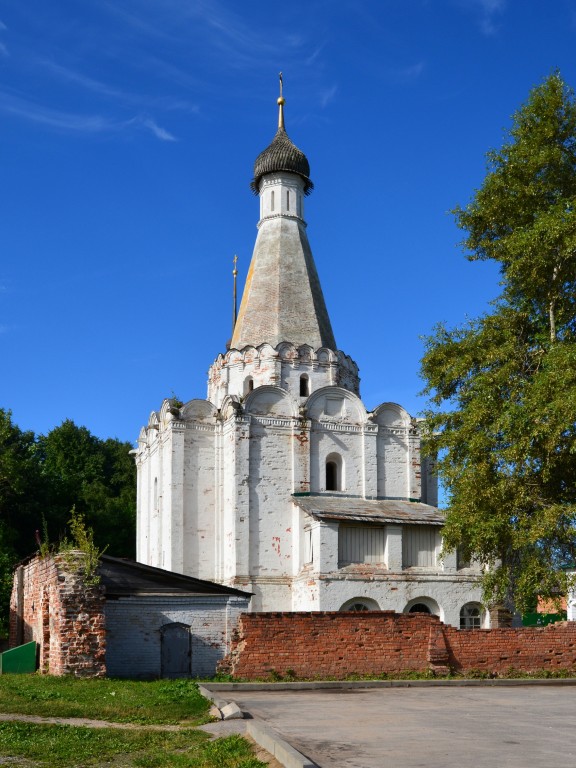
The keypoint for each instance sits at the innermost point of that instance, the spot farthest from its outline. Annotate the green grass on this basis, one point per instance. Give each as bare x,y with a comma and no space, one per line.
63,745
118,701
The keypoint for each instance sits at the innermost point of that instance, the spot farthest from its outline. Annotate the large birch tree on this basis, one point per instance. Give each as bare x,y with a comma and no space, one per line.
502,388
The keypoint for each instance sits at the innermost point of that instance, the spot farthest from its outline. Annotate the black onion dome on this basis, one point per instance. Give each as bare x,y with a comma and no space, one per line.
282,155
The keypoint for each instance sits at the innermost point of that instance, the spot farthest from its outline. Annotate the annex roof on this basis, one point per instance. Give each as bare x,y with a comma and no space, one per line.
122,577
356,509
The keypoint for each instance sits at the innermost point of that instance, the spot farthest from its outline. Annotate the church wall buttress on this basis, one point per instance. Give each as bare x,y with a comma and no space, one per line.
199,501
234,545
370,462
172,516
271,472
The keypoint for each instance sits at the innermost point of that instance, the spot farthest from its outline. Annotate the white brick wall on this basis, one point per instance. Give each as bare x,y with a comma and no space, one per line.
224,510
133,631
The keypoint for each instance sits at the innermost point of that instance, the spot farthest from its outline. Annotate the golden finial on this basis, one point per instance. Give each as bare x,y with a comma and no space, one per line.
234,302
281,102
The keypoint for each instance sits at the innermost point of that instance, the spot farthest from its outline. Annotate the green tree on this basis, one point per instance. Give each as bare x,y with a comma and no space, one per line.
98,478
22,487
502,388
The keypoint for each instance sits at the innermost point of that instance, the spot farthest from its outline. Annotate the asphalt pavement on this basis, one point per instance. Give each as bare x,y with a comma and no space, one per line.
435,727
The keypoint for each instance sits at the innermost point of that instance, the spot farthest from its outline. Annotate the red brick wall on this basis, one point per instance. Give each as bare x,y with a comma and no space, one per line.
51,605
334,644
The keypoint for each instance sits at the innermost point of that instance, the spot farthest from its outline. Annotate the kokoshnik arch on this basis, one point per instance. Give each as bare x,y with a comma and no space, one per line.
281,482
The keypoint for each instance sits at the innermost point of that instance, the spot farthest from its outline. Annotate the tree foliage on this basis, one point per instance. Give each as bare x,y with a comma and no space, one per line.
502,388
43,477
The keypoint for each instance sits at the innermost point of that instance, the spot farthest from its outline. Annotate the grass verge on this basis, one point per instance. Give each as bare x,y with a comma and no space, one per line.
63,745
117,701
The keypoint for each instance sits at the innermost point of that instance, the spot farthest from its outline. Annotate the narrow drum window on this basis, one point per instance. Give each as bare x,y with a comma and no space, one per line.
272,200
304,386
334,472
331,476
287,199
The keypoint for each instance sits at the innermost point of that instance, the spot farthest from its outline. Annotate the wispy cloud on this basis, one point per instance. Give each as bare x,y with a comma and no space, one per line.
160,133
413,71
407,74
70,75
77,123
314,55
487,12
3,48
328,95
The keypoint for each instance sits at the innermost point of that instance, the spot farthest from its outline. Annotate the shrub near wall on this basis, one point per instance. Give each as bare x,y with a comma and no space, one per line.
338,645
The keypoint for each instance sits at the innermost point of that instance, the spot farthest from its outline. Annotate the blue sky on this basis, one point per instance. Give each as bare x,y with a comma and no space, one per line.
129,131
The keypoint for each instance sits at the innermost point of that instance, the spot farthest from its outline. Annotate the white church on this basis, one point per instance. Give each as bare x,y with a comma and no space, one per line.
282,483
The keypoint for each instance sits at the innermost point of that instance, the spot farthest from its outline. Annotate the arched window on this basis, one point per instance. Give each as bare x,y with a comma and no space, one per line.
334,473
248,385
331,476
424,604
360,605
419,608
471,616
304,386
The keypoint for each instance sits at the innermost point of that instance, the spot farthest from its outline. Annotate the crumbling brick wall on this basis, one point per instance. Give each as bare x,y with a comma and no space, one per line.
339,644
52,605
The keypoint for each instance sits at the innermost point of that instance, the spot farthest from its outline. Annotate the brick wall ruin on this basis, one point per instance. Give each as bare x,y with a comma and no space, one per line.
337,645
51,604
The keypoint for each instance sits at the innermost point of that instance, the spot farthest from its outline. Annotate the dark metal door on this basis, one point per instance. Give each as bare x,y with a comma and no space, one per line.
176,650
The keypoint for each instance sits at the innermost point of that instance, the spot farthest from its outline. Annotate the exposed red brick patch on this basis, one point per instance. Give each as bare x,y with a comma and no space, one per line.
52,605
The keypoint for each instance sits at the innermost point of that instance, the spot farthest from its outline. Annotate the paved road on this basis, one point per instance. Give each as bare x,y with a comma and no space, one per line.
525,727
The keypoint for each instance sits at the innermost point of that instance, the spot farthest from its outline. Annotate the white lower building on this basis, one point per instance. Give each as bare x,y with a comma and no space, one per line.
282,483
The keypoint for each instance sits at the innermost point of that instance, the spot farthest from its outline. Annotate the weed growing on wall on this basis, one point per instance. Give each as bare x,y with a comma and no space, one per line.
82,539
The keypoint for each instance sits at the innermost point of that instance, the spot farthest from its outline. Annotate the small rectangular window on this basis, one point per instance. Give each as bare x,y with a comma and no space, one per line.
361,544
272,200
420,546
287,199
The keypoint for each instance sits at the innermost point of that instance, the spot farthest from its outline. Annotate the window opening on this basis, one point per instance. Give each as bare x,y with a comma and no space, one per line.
334,472
304,386
470,617
331,476
419,608
360,605
361,544
272,200
287,199
248,385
